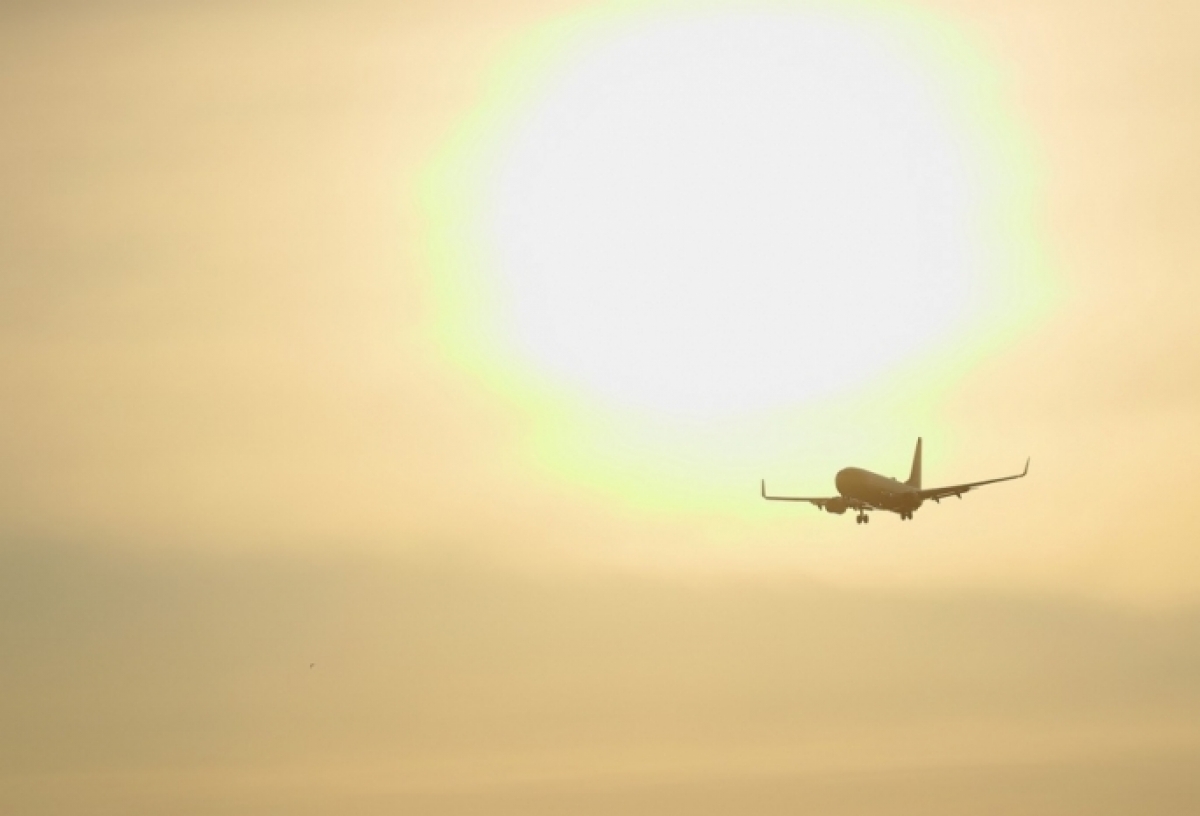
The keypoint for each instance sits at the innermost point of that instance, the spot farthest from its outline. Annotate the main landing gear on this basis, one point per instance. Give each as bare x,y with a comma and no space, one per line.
863,518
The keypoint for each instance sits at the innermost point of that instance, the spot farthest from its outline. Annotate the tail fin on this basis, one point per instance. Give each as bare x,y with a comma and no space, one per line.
914,478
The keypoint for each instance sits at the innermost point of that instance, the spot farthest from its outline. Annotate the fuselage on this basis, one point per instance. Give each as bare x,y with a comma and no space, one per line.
878,491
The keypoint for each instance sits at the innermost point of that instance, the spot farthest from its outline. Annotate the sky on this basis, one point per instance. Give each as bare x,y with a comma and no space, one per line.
387,386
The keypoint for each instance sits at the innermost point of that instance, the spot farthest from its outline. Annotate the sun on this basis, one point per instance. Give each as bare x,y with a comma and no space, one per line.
692,247
704,214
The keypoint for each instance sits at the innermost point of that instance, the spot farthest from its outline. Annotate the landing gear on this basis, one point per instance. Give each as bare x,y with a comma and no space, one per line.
906,516
862,518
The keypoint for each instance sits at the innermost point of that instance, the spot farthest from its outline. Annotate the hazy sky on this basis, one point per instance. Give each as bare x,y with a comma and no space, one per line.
443,345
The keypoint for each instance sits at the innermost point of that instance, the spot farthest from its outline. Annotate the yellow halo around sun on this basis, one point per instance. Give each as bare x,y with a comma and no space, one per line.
691,216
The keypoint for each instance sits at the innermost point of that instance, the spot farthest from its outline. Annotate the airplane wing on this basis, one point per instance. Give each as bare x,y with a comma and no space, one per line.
819,501
939,493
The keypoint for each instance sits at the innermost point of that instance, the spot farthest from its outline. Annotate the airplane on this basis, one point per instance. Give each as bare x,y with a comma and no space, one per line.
864,491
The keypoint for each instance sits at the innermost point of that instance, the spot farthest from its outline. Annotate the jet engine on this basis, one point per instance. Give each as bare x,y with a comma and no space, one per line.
838,506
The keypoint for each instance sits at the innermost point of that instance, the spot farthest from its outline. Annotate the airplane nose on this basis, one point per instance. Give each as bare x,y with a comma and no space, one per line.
842,480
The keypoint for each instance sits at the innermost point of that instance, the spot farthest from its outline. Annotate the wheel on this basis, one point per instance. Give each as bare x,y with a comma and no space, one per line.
866,519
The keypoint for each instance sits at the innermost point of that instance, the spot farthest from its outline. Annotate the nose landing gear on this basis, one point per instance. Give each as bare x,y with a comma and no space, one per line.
862,518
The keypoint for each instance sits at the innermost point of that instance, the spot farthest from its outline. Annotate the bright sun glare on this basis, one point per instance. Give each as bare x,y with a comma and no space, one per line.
733,211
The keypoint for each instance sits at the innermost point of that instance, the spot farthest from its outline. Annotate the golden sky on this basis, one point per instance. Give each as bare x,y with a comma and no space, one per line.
443,345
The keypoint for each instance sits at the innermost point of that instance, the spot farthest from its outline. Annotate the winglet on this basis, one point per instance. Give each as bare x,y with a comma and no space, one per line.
1026,470
764,488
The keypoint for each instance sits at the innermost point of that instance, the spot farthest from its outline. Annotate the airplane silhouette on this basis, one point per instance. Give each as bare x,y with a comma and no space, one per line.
864,491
